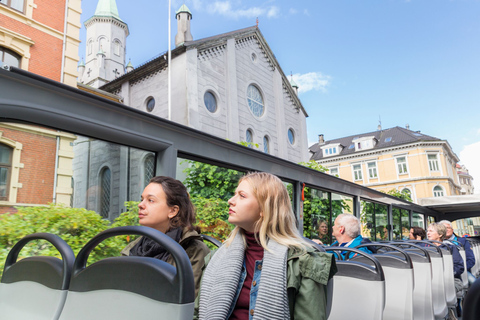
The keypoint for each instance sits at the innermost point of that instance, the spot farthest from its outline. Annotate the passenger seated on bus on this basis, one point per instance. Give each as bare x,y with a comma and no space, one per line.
417,233
322,237
165,206
265,269
437,231
346,230
451,236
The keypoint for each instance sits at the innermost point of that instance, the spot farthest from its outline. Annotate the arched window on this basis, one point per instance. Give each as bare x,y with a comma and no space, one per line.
249,138
9,58
116,47
148,169
255,101
438,191
408,192
105,191
5,169
266,145
150,104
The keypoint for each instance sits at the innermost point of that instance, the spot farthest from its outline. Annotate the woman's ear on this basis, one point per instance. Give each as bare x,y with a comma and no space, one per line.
173,212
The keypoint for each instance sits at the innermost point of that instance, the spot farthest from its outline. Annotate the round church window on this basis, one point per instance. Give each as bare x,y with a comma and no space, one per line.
210,101
150,104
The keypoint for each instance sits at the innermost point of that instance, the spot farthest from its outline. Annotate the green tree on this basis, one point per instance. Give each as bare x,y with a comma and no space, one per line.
210,181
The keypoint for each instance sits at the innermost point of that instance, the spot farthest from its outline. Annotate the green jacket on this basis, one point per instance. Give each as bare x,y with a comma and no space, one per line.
196,251
308,272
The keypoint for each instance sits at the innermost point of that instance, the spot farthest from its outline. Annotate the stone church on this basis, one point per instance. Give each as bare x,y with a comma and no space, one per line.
229,85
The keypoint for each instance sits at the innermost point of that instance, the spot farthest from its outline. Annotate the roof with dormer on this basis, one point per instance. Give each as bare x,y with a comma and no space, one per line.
386,138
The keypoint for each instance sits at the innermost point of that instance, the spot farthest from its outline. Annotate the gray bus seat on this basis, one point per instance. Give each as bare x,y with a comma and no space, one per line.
464,275
35,287
398,270
358,288
471,304
422,274
212,240
131,287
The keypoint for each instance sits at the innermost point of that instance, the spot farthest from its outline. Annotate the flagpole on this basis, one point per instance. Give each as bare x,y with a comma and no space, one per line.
169,61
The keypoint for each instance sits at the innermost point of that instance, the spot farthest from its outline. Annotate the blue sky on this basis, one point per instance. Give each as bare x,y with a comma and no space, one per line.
413,62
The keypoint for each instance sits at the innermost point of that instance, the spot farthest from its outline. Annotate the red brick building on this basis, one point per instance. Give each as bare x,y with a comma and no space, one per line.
40,36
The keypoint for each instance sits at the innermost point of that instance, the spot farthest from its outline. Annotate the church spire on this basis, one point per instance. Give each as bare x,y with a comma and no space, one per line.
107,8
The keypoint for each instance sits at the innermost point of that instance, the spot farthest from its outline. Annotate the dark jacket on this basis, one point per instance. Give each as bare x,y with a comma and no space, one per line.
468,252
196,251
458,266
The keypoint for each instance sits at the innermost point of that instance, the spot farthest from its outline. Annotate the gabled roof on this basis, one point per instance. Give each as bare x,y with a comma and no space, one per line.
387,138
159,62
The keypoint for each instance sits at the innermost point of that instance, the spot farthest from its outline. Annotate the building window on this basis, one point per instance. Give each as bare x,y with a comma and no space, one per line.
334,171
433,162
255,101
249,138
254,57
5,169
438,191
148,169
9,58
150,104
14,4
266,145
291,136
116,47
357,172
105,190
408,192
372,170
402,165
210,101
90,47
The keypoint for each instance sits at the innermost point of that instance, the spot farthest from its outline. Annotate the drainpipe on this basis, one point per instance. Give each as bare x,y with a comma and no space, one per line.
56,171
64,42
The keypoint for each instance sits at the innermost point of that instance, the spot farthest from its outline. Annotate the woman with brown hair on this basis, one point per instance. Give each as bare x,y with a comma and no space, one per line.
166,206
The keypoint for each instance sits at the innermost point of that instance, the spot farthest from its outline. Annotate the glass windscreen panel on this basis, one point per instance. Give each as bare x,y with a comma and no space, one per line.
418,220
317,215
340,204
210,187
69,185
467,227
374,221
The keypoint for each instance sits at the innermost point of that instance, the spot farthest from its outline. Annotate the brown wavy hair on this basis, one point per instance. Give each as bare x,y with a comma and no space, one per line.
177,195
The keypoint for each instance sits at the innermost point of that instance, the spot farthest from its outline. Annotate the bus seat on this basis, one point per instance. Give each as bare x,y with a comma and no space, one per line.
440,307
471,303
35,287
212,240
131,287
422,275
358,289
398,270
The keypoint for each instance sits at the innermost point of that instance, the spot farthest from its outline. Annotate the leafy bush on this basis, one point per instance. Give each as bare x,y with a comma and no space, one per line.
212,217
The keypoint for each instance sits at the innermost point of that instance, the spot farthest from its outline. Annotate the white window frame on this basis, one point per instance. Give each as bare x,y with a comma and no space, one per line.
372,170
435,163
436,192
404,165
357,173
364,143
337,174
331,149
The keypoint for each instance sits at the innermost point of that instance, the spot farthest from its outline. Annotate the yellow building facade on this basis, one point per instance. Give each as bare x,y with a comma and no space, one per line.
395,158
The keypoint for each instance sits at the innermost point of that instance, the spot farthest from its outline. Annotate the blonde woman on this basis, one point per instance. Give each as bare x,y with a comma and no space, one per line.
264,270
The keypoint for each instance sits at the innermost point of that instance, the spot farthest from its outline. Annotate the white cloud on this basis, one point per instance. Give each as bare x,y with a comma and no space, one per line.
311,81
306,12
469,157
292,11
225,8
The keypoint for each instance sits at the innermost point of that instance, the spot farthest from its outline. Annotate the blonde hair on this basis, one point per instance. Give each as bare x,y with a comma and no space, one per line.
277,221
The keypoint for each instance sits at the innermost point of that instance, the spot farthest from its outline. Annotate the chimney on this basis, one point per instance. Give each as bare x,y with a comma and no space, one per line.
183,16
407,126
320,139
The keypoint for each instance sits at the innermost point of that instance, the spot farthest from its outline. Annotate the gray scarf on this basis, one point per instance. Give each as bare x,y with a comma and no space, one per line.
221,277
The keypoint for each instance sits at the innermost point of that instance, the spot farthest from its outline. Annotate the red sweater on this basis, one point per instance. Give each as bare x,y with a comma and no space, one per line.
254,252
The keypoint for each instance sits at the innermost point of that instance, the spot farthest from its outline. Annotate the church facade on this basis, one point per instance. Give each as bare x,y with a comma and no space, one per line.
229,85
